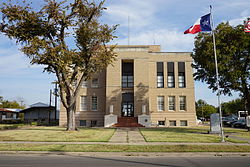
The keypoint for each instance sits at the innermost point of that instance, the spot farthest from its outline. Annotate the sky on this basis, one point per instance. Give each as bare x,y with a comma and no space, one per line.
160,22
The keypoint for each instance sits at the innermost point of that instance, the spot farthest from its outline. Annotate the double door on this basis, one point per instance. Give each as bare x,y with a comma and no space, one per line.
127,109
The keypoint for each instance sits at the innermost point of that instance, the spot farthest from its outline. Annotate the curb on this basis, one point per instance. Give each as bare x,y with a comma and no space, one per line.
128,154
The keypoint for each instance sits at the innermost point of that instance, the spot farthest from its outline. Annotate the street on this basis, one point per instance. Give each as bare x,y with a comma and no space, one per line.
20,160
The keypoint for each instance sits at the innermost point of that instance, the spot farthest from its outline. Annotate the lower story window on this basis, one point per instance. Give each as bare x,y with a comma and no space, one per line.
162,123
160,103
183,123
183,103
94,103
83,122
172,123
93,123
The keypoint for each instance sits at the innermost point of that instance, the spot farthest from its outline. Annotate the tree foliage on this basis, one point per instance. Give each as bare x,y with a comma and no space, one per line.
44,35
9,104
233,106
203,109
233,55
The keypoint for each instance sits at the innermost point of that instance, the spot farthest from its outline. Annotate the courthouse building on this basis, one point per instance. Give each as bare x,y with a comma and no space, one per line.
144,86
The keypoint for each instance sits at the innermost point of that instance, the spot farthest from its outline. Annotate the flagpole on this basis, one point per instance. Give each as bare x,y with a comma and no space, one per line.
217,79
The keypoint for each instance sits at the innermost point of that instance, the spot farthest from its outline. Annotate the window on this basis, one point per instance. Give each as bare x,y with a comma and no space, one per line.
160,103
84,84
83,103
95,83
93,123
183,123
127,74
74,84
181,75
182,102
181,80
161,123
171,103
94,103
172,123
160,76
83,122
127,81
170,69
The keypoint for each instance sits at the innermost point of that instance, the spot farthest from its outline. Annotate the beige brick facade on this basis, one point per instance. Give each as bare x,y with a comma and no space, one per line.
110,89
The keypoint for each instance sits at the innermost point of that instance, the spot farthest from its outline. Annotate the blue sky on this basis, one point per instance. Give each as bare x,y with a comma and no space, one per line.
160,22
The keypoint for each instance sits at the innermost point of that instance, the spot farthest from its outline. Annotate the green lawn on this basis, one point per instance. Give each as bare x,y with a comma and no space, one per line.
123,148
187,134
9,126
56,134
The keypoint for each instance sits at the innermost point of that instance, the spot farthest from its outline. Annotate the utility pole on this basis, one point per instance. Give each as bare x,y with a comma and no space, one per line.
56,91
50,96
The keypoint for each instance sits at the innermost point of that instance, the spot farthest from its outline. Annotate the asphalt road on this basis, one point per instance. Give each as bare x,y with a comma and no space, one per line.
84,161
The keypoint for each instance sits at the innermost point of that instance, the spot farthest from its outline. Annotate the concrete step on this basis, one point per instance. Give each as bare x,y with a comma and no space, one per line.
128,122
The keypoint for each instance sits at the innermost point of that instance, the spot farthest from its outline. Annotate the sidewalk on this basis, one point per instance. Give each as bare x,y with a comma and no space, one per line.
127,135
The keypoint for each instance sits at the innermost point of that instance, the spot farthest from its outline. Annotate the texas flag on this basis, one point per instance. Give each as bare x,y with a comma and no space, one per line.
202,24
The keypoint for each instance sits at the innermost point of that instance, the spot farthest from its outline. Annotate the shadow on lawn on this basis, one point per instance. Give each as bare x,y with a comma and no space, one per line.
177,130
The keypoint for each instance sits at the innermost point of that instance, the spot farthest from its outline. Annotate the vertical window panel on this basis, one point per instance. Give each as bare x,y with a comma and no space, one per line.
94,105
181,75
170,69
160,75
182,103
160,103
83,103
171,103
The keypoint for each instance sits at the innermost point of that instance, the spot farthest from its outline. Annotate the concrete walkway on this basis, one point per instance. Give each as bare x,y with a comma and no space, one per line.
127,135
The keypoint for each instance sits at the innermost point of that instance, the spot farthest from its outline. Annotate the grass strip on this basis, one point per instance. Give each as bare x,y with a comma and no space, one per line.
57,134
123,148
190,135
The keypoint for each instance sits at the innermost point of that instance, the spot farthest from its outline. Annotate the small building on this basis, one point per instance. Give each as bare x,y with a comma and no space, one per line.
8,115
40,113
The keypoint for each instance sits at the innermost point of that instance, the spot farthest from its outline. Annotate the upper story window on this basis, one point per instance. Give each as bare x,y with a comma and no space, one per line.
181,75
127,74
160,75
127,81
170,69
95,83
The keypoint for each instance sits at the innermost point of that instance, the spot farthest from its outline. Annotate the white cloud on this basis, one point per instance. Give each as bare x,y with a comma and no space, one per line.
243,16
170,40
141,13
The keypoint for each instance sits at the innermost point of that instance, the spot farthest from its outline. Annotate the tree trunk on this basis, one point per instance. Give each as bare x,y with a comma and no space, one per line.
71,126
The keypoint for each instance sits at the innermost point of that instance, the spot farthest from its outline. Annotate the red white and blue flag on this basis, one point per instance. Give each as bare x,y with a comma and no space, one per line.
202,24
247,26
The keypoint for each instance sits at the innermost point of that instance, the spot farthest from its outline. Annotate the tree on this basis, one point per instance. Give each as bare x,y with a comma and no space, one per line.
44,33
233,106
233,53
9,104
203,109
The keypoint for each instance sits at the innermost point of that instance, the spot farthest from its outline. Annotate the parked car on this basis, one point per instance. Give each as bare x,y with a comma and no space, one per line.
228,121
202,119
198,121
241,123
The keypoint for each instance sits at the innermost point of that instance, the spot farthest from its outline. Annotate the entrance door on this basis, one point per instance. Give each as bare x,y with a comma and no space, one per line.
127,105
127,109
